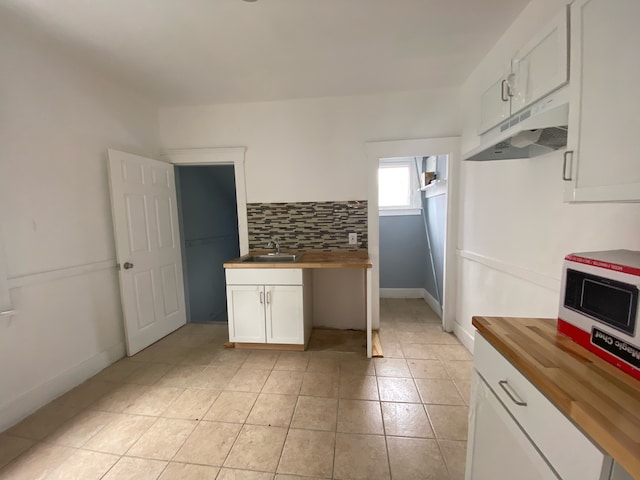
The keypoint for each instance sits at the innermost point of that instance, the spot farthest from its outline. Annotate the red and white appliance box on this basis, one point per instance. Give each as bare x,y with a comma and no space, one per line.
599,305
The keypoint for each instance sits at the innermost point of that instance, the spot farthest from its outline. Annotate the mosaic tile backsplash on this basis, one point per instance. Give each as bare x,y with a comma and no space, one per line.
308,225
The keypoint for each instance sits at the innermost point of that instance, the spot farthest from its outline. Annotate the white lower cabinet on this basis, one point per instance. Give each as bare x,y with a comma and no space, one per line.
264,312
498,448
245,306
516,432
284,314
619,473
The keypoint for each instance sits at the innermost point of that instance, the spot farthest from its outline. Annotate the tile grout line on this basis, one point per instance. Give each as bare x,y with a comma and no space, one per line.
335,433
184,387
424,406
384,431
244,423
197,423
287,435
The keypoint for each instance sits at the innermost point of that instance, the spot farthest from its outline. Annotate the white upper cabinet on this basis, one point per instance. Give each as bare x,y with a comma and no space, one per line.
495,104
602,159
541,66
538,68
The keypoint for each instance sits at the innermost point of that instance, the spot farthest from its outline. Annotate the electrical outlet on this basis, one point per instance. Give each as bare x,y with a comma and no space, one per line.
353,239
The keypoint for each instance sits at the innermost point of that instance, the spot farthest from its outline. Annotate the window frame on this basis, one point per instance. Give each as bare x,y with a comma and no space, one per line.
415,201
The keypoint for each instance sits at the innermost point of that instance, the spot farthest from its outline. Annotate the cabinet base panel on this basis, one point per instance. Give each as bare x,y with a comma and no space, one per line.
269,346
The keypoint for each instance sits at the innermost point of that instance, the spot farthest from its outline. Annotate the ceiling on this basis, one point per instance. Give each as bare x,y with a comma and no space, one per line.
219,51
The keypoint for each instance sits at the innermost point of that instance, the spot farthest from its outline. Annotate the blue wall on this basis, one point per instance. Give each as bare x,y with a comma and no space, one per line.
435,208
209,224
404,252
404,258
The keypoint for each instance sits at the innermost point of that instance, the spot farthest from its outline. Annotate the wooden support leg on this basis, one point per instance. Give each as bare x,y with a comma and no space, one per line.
369,295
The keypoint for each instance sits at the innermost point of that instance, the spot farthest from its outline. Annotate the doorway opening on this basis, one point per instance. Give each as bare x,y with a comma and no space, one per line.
412,207
449,148
208,213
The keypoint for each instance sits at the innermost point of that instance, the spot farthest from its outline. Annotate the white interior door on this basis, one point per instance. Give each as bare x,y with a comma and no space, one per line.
145,219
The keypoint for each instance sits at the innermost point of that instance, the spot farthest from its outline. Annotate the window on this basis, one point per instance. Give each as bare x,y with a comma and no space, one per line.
398,190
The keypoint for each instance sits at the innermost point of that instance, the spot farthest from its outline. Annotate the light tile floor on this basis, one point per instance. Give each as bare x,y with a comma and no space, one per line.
186,408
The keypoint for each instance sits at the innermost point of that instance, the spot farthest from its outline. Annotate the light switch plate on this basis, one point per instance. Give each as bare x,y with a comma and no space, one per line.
353,239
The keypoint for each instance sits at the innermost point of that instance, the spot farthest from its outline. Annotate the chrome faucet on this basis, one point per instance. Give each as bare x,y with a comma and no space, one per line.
273,243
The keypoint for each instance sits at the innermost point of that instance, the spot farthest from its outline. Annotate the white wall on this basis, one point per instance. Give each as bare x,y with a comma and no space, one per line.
314,150
311,149
515,228
57,120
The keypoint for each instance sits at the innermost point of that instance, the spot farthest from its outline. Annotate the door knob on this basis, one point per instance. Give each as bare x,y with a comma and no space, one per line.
127,265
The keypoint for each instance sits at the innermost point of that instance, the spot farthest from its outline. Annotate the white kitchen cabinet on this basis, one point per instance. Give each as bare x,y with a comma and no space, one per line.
619,473
245,306
542,65
498,448
514,424
601,161
269,306
284,314
537,69
495,104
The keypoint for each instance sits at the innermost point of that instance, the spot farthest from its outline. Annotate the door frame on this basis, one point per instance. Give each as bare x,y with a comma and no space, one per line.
414,148
219,156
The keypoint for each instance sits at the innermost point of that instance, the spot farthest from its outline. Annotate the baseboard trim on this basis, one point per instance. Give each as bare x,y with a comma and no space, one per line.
15,410
432,302
465,337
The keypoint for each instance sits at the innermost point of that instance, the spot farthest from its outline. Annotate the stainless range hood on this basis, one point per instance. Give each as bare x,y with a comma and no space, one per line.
536,130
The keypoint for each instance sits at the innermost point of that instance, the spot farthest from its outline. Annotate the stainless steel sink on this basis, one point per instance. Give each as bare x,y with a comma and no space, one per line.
272,258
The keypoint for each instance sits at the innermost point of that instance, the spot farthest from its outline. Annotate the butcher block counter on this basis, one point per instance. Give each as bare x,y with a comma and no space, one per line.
311,259
601,400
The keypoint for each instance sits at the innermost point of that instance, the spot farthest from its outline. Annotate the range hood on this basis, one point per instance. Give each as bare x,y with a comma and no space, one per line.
536,130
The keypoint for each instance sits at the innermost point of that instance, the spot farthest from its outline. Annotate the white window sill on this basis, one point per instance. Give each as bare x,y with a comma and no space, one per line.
399,211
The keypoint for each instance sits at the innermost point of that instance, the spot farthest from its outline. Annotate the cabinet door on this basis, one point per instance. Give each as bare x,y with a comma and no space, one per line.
601,162
541,66
245,305
619,473
284,314
498,449
494,104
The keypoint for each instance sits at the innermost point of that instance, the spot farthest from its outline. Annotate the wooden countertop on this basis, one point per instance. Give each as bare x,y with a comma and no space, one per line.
312,259
601,399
